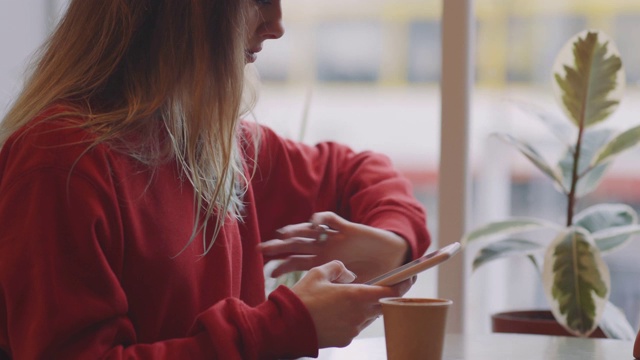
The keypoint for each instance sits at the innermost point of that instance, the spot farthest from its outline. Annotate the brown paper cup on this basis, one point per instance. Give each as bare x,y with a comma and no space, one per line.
414,328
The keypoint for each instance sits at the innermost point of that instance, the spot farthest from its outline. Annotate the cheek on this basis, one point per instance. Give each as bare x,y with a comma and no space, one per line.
252,21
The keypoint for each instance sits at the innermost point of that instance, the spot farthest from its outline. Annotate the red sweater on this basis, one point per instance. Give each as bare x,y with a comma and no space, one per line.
88,243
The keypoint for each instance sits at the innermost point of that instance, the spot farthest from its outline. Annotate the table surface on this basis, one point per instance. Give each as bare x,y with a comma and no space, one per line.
498,347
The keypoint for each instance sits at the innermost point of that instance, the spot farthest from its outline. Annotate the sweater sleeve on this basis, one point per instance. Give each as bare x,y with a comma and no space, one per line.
293,180
269,327
61,294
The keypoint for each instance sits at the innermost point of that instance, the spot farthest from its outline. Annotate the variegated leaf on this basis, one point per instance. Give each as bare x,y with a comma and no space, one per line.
589,178
534,156
608,240
576,281
617,145
615,325
590,181
608,224
505,248
603,216
589,77
506,227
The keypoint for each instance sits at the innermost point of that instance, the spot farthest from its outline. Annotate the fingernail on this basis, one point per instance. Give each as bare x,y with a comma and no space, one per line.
346,277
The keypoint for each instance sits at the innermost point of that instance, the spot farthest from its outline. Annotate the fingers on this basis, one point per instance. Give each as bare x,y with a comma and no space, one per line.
335,272
308,230
403,287
397,290
339,310
283,248
368,322
300,239
345,277
294,263
320,227
332,220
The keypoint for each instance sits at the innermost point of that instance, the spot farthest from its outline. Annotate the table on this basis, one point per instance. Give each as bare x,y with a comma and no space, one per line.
498,347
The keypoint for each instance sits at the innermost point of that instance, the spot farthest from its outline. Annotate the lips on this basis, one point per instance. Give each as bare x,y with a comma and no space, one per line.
250,55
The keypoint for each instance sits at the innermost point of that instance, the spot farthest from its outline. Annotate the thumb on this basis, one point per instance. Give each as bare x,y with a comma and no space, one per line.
336,272
328,218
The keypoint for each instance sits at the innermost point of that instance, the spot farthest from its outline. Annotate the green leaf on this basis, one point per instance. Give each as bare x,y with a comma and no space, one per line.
506,227
609,224
590,79
608,240
615,324
534,156
590,181
592,141
505,248
576,281
617,145
602,216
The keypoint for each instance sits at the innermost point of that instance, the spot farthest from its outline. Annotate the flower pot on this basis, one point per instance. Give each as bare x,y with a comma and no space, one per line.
636,347
539,322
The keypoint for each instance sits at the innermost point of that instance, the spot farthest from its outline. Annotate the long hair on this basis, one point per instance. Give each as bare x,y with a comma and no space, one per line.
152,67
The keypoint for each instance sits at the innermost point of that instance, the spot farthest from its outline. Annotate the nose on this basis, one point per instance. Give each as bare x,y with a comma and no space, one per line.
272,26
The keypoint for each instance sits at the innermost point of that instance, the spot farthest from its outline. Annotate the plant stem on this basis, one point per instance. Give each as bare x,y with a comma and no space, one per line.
574,172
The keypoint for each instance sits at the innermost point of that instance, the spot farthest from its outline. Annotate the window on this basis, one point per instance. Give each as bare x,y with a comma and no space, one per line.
348,51
424,51
625,31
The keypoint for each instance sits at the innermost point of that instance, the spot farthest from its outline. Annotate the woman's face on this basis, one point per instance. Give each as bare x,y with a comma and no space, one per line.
264,21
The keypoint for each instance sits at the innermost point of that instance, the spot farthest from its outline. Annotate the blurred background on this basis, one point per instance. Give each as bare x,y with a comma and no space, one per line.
366,73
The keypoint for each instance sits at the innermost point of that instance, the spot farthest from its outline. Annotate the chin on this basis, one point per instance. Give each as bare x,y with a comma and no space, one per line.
250,57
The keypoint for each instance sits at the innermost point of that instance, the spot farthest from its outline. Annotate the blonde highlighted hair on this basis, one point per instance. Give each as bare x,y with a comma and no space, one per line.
152,67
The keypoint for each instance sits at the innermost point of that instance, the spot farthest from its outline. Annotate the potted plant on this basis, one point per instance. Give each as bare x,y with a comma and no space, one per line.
588,82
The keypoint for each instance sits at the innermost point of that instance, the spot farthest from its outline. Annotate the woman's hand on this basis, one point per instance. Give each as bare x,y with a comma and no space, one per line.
365,250
340,311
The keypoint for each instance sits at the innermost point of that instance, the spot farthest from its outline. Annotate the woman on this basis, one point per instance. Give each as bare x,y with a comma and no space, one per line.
137,210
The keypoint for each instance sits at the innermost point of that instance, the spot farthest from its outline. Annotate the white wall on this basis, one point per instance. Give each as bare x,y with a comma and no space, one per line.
24,24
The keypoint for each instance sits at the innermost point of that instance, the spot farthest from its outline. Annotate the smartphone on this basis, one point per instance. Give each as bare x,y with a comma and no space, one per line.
416,266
